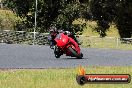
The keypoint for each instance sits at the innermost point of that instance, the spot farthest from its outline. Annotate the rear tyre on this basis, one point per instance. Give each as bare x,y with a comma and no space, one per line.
81,55
75,53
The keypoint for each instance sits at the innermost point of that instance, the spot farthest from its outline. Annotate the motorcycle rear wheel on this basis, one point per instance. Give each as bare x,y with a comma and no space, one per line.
75,53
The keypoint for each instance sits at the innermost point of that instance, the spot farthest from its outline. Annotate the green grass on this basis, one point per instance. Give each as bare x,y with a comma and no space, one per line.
58,78
96,42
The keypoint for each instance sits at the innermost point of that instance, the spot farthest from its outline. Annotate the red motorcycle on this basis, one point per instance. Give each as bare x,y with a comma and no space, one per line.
66,45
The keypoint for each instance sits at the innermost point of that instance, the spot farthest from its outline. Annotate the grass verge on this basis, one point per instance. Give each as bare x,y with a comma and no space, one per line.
109,42
58,78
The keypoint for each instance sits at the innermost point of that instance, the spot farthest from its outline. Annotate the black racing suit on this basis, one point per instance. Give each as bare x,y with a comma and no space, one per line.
51,40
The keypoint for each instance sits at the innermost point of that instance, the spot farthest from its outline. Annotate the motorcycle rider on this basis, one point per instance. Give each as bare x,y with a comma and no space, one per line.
53,33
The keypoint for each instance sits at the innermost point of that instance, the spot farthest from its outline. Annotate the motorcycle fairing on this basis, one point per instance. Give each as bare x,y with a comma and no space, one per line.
61,40
64,42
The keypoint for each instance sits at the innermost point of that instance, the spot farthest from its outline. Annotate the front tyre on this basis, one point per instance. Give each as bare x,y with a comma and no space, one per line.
57,56
57,52
75,53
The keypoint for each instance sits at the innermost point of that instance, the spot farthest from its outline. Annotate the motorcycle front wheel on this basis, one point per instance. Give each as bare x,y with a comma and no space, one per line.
57,52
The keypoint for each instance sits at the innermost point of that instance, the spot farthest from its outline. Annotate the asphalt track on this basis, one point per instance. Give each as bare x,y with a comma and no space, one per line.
34,56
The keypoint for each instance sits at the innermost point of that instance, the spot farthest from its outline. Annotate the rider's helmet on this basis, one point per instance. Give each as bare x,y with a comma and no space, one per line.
53,30
68,33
